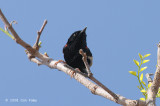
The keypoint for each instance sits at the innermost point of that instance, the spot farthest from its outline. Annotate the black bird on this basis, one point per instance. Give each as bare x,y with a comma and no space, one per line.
72,57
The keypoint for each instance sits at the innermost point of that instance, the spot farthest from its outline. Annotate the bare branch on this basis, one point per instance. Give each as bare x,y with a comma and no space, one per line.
105,88
97,90
152,91
84,58
13,22
38,62
45,60
90,75
33,58
17,38
39,34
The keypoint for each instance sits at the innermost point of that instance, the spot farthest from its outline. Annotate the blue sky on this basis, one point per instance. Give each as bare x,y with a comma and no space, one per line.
117,31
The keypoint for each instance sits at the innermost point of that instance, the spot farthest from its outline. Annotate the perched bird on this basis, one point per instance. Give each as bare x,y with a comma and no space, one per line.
72,57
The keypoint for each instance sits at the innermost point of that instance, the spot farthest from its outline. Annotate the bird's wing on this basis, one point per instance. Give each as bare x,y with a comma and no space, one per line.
88,52
70,55
75,57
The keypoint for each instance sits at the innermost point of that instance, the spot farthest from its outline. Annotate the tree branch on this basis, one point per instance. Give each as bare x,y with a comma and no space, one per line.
17,38
36,46
90,76
84,58
45,60
95,89
152,91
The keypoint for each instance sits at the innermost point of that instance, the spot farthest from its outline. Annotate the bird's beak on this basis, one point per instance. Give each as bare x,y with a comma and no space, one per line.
84,30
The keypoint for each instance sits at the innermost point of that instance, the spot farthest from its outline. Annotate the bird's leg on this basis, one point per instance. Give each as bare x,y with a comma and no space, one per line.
60,61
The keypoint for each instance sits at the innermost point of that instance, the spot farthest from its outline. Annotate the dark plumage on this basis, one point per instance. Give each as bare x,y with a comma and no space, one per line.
72,57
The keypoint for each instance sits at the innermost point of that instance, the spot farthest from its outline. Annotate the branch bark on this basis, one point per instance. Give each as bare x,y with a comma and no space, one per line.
148,76
84,58
45,60
36,46
152,91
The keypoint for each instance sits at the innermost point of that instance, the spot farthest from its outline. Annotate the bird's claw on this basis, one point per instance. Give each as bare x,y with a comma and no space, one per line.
77,69
73,72
60,61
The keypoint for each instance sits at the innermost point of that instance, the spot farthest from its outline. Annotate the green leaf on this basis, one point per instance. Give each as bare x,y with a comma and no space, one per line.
7,33
139,87
158,95
143,83
159,90
146,55
141,57
141,77
142,99
149,85
145,61
143,68
133,73
143,90
136,62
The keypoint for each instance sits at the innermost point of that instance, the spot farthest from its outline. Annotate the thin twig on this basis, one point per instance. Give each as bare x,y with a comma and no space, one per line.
17,38
33,58
105,88
84,58
36,46
13,22
90,75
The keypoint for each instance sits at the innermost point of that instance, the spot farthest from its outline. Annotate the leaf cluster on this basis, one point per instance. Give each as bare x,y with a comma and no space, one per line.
143,87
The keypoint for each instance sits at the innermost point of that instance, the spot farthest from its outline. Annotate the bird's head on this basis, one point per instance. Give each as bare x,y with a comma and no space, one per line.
78,38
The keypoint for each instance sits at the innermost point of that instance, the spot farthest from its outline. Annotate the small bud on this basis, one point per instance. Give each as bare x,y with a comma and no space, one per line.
46,54
39,44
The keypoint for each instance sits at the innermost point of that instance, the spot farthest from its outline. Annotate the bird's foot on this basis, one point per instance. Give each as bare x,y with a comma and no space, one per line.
73,72
77,69
60,61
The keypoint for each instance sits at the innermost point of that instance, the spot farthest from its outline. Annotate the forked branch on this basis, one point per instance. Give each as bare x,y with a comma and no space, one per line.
45,60
17,38
36,46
